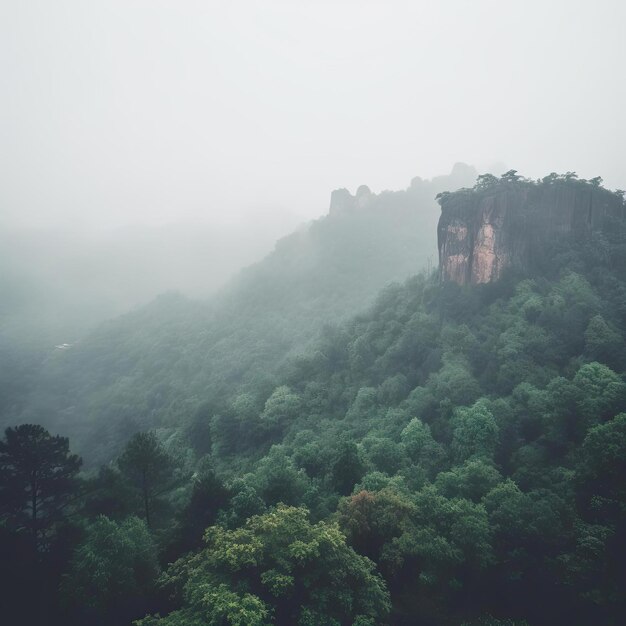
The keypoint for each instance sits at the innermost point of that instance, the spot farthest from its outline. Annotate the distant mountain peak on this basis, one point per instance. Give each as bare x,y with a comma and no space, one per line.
341,200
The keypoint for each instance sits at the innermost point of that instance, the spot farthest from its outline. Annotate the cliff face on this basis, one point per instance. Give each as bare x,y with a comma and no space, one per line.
482,232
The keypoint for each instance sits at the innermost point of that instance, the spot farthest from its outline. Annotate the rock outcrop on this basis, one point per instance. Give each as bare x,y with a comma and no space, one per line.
482,232
420,192
341,200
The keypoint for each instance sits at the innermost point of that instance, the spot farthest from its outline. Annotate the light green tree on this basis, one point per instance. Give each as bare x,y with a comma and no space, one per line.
601,392
420,446
281,408
278,569
475,432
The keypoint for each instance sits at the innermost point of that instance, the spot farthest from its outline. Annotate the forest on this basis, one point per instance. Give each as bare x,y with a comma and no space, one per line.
441,455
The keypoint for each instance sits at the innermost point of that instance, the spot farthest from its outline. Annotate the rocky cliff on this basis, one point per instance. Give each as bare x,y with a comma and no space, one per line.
508,223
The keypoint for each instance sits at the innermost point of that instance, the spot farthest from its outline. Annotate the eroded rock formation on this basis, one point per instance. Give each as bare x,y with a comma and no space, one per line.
482,232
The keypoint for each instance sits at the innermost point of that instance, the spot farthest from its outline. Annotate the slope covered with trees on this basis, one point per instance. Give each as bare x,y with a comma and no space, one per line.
451,455
154,367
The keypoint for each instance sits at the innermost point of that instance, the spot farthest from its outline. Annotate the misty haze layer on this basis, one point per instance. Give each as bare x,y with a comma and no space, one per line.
324,271
118,112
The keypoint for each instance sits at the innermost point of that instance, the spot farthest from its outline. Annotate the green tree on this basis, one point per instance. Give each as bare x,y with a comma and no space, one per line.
109,493
278,569
277,479
511,177
209,496
420,446
112,568
148,466
602,469
281,408
527,528
475,432
244,503
601,392
385,455
37,478
486,181
454,385
602,342
311,454
445,545
472,480
347,469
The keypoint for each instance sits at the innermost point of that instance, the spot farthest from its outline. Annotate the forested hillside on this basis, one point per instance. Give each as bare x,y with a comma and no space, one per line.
156,366
59,282
450,455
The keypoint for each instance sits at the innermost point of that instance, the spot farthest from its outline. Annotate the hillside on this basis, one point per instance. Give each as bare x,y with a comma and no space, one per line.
468,439
453,454
154,367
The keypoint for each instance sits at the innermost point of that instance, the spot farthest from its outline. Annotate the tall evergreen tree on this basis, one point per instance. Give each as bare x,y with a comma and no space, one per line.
37,479
148,466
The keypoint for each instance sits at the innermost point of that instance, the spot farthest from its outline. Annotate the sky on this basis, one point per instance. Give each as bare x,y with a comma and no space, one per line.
117,113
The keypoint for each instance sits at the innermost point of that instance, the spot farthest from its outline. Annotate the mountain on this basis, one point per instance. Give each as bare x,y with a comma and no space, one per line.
155,366
452,454
469,439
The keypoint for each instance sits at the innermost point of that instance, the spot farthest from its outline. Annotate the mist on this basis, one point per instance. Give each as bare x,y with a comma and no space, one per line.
60,282
150,146
119,113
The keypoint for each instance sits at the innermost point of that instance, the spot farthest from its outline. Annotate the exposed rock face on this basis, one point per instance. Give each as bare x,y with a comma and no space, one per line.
482,232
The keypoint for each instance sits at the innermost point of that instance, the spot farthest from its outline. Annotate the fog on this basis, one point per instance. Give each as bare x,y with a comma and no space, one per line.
134,122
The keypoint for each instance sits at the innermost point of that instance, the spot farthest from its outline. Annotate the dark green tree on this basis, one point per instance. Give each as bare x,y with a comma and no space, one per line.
602,342
112,570
511,177
475,432
276,478
148,466
602,468
37,479
485,181
209,496
420,446
347,469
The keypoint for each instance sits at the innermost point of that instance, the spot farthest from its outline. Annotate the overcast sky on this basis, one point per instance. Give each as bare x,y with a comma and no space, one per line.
116,112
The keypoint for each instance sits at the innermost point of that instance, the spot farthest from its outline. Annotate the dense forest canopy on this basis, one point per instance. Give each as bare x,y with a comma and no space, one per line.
448,455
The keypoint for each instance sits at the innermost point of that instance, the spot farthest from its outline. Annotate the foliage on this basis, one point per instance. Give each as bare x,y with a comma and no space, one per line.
279,568
449,455
115,562
37,478
146,464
